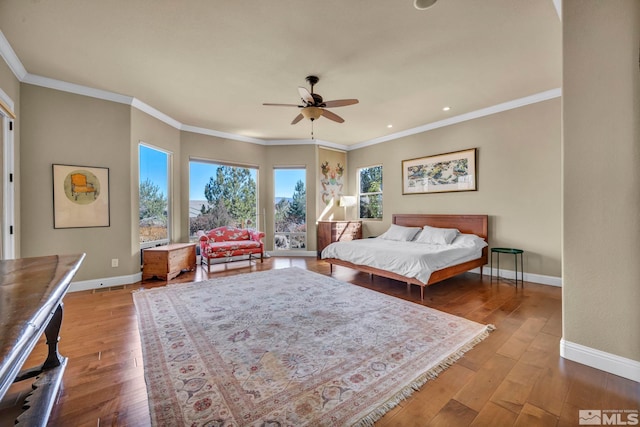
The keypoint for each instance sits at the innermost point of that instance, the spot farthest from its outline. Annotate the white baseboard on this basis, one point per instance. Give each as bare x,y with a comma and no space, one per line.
293,253
132,278
528,277
617,365
85,285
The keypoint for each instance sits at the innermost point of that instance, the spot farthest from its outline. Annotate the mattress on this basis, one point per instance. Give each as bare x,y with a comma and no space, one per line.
409,259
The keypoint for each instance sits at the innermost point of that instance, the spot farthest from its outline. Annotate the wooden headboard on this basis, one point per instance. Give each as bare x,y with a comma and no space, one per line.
468,224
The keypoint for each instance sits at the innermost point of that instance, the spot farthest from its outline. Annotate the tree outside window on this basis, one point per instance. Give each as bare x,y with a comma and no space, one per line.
221,195
153,195
370,192
290,206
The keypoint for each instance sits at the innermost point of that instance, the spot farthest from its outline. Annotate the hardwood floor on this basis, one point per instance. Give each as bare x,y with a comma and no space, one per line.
513,378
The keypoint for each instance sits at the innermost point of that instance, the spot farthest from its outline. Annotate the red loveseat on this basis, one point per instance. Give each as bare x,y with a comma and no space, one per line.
227,242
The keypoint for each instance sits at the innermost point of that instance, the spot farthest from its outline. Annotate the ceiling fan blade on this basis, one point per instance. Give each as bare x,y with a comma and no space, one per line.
306,96
339,103
282,105
332,116
297,119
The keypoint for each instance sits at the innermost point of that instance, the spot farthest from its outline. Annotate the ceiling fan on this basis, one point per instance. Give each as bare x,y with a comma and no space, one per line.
313,106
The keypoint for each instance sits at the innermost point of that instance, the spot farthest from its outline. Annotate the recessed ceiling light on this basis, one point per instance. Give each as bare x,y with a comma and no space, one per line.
389,126
446,109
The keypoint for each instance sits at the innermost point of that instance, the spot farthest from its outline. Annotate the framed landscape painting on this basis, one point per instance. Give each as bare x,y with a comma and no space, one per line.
440,173
80,196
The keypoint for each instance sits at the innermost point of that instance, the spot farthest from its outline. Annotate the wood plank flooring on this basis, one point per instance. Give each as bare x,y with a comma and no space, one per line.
513,378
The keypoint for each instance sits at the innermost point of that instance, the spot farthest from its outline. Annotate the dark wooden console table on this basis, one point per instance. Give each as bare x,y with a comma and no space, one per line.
31,292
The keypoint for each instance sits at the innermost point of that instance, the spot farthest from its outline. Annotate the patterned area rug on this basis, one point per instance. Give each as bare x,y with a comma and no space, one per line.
288,348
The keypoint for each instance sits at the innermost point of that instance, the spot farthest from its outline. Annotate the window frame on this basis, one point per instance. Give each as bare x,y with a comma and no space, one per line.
375,193
217,163
304,234
169,154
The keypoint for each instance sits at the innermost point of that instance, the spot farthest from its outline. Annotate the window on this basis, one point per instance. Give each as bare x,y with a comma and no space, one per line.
154,195
221,194
290,231
370,192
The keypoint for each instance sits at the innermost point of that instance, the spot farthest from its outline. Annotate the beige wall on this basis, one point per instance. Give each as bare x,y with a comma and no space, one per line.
73,129
59,127
157,134
518,163
518,176
601,154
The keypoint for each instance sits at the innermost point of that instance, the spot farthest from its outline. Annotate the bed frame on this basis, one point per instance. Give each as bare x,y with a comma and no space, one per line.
469,224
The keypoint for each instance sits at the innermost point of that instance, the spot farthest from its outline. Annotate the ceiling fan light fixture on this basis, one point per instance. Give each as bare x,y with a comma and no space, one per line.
311,113
423,4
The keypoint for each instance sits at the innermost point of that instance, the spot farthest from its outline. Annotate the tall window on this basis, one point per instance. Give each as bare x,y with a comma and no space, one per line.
221,194
370,192
154,195
290,209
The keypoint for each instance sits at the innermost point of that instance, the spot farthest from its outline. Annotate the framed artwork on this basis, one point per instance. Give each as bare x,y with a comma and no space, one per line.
440,173
80,196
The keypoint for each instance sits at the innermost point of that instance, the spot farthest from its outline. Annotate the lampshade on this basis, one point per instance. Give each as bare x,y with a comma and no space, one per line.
311,113
347,201
423,4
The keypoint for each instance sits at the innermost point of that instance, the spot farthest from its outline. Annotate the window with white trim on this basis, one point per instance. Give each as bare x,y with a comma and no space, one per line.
290,204
370,192
154,187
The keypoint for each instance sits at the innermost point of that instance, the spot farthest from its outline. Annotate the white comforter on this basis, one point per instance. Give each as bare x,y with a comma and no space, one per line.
409,259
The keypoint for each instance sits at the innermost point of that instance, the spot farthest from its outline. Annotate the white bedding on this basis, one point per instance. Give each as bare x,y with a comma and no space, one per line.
409,259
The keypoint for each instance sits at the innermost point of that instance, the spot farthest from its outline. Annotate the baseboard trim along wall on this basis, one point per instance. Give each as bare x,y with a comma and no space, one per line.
611,363
133,278
108,282
528,277
292,253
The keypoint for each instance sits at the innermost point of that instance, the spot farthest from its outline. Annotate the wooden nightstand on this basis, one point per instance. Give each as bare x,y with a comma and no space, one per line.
337,231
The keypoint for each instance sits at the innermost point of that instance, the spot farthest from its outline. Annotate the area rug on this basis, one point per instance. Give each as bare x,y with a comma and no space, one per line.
288,348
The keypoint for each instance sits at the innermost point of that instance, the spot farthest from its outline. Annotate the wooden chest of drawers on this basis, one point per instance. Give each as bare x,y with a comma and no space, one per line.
337,231
166,262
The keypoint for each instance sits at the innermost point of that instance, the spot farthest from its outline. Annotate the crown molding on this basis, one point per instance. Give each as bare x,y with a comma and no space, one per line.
320,142
558,5
509,105
12,60
146,108
10,57
76,89
225,135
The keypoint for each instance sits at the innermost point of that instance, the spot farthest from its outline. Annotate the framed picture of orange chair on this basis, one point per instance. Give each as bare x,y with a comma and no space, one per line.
80,196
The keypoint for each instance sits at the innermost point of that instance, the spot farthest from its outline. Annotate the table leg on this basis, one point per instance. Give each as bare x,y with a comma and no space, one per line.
516,266
491,267
52,332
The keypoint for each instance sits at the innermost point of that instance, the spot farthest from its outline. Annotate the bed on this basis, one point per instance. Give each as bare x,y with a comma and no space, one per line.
466,224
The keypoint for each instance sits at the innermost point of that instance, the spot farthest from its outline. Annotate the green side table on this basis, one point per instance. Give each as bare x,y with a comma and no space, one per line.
514,252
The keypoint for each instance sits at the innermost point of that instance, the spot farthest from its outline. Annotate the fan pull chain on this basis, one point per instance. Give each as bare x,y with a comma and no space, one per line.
312,130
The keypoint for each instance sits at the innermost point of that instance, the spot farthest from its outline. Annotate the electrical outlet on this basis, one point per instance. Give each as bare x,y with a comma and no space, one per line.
114,262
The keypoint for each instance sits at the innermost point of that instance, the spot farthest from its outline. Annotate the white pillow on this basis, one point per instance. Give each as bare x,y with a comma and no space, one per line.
469,240
437,236
400,233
